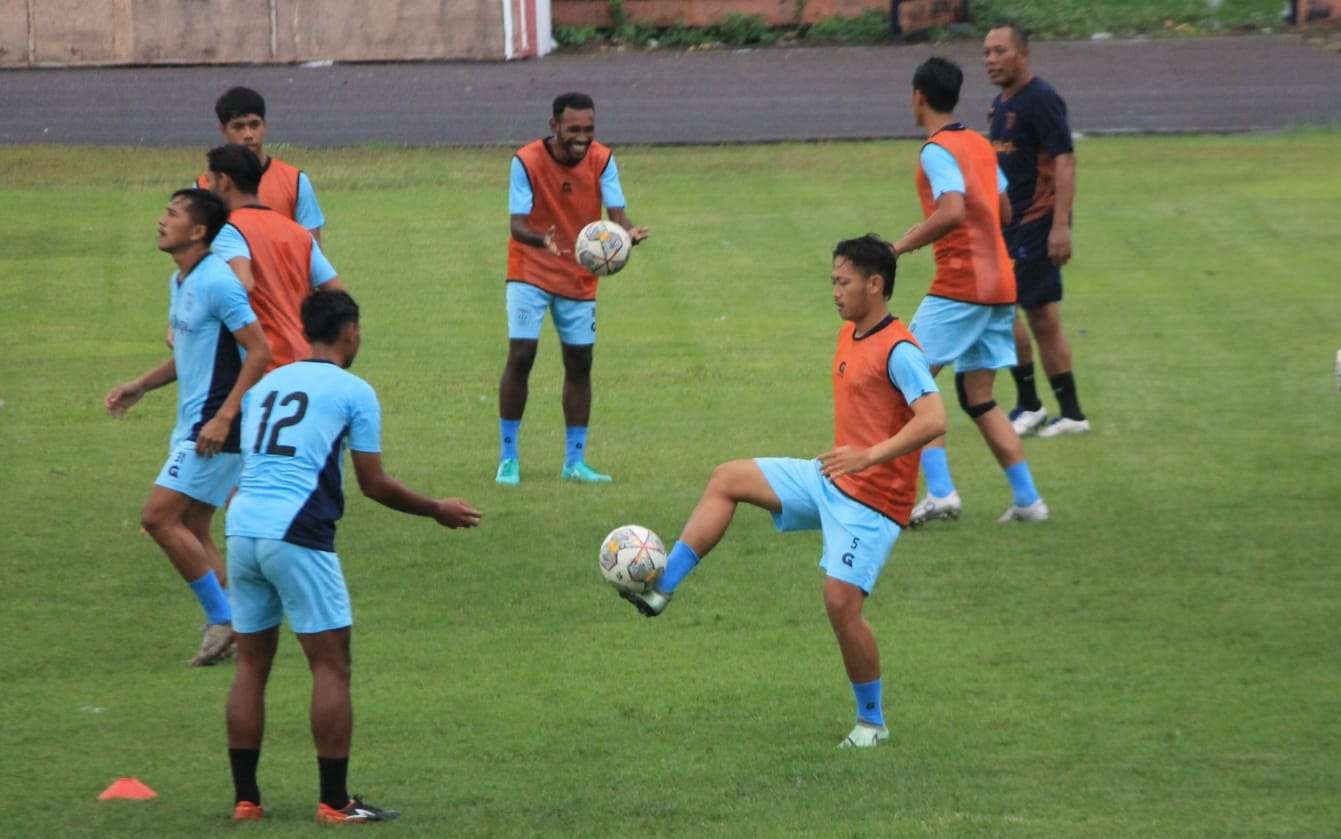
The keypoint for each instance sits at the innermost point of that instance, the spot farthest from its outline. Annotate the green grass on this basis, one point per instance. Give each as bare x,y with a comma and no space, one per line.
1159,660
1070,19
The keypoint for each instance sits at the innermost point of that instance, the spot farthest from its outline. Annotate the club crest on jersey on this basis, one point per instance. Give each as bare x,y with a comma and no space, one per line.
567,187
1010,121
842,368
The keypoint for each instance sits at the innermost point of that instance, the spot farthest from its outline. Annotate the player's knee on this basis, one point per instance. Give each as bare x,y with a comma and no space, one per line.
577,361
154,520
973,409
725,478
842,603
520,361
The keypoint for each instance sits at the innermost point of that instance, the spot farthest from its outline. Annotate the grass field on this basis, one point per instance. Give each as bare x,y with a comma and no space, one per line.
1159,660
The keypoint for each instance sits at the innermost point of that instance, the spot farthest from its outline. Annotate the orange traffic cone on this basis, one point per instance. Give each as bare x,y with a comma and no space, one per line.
129,788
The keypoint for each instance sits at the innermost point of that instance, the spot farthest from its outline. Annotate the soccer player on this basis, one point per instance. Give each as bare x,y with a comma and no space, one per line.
214,326
284,188
281,541
859,493
558,185
966,317
278,261
1033,145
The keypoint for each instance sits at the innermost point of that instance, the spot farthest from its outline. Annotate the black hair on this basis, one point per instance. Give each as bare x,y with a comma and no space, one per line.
238,102
239,163
576,101
325,314
870,255
204,207
1017,32
939,79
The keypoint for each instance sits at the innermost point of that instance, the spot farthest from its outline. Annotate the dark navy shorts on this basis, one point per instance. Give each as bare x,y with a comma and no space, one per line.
1037,283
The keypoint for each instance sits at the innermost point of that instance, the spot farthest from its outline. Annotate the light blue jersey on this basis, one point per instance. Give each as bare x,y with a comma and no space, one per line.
308,211
206,307
521,200
944,174
296,423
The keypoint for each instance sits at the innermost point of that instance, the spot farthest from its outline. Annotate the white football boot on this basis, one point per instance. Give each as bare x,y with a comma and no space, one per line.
1024,421
1064,425
1038,511
932,507
865,736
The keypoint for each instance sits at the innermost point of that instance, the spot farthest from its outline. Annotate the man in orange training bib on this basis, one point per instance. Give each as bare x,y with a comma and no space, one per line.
557,186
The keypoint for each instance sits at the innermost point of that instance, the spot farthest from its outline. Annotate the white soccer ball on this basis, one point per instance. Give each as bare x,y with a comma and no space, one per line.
632,558
602,247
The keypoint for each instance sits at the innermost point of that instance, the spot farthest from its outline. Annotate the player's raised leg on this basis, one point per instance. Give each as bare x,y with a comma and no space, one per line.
942,500
577,361
513,389
731,483
164,518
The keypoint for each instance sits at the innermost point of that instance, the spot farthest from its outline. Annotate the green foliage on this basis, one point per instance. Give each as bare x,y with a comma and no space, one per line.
1159,660
575,37
870,27
738,30
680,35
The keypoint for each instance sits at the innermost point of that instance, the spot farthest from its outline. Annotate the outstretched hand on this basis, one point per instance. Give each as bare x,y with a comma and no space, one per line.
456,512
843,460
119,399
637,234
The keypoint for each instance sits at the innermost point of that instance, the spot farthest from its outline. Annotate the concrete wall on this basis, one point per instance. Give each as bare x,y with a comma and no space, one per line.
84,32
707,12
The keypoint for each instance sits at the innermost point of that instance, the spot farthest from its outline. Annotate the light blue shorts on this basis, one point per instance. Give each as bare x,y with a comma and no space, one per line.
574,320
270,578
971,336
205,479
857,539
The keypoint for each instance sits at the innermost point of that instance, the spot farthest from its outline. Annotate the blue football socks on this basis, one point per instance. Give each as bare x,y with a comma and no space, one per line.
937,470
870,708
212,598
507,436
1021,484
681,561
575,444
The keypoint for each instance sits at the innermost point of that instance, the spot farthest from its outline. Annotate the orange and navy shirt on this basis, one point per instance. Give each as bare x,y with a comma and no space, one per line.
972,264
1029,131
286,265
876,378
567,198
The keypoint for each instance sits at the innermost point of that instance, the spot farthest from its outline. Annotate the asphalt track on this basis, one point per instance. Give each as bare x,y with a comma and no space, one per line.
1225,84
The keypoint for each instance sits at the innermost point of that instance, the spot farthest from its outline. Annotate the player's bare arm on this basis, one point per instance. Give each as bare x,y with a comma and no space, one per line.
242,268
927,423
210,440
948,214
524,233
376,484
620,216
1064,188
120,398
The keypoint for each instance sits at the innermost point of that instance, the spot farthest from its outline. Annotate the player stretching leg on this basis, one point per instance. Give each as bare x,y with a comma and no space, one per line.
210,319
557,186
966,318
281,542
859,493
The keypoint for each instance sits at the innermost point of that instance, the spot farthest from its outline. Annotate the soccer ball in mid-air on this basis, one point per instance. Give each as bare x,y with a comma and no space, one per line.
603,247
632,558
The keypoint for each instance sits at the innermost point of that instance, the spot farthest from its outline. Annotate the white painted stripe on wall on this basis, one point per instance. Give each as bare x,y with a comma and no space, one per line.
544,24
508,52
525,46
